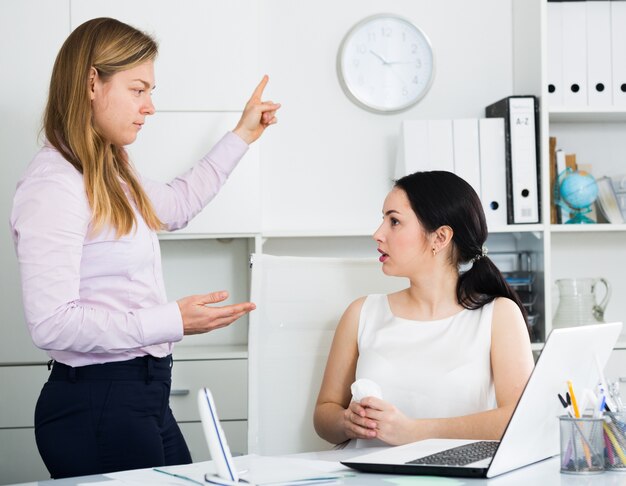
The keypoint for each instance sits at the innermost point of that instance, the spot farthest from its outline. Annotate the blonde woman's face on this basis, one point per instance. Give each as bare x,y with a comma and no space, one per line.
121,104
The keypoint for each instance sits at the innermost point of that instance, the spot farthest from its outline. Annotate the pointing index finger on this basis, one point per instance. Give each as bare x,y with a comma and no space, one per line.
258,91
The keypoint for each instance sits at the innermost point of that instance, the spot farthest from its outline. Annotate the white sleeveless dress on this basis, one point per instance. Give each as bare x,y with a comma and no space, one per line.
427,369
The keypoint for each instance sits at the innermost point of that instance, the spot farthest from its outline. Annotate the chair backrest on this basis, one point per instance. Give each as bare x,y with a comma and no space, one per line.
299,303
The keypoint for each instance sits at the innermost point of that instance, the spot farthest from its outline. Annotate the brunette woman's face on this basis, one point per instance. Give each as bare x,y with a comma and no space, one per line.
121,103
403,244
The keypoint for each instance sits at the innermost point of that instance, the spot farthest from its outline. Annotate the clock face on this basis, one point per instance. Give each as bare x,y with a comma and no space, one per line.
385,64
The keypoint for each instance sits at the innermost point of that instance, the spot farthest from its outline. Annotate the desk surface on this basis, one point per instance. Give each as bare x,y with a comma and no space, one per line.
544,473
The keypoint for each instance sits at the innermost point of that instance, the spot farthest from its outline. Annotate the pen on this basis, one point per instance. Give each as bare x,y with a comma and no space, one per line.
569,405
562,400
570,386
602,405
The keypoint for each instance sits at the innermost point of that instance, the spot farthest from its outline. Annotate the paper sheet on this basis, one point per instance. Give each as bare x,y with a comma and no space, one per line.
261,470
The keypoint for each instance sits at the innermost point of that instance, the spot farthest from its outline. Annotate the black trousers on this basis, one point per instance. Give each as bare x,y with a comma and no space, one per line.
109,417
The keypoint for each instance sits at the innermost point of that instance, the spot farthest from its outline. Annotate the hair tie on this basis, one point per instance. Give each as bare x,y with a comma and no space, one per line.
483,253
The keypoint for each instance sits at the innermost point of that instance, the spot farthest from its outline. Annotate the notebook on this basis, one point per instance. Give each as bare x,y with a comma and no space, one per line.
532,433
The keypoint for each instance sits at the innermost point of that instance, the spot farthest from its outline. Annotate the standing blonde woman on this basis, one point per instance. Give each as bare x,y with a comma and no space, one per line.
84,225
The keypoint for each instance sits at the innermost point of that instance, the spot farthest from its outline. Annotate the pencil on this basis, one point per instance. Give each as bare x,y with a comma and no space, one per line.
616,446
570,386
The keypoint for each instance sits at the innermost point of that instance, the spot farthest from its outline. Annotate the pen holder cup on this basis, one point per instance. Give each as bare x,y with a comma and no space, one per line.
614,429
582,445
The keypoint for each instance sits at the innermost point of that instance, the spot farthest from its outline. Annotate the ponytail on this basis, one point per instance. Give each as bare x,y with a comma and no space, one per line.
482,283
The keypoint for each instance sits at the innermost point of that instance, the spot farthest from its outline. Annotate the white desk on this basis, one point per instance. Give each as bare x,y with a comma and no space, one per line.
544,473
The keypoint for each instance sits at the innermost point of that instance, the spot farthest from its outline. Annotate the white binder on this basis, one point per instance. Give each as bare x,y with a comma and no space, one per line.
618,44
493,171
520,115
413,151
555,53
424,145
441,152
467,151
574,53
523,160
599,75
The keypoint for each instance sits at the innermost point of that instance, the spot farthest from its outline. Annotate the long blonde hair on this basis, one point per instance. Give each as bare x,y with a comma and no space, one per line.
109,46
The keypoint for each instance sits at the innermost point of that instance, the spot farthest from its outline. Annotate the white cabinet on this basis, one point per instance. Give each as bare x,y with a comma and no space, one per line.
223,370
595,133
226,375
19,458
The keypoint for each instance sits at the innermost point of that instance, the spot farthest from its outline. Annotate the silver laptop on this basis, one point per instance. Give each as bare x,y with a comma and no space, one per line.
531,435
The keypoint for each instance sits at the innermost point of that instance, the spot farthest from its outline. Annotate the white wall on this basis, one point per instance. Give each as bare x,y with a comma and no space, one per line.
329,164
325,167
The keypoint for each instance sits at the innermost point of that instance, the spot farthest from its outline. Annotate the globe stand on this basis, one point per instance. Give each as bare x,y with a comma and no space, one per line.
579,217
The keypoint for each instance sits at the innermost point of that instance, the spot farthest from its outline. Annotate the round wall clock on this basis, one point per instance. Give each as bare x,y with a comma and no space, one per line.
385,63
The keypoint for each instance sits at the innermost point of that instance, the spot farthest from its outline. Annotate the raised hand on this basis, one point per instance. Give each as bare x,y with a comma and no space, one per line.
257,115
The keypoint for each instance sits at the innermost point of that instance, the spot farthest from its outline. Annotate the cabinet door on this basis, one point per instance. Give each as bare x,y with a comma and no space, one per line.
20,387
227,380
236,208
19,457
208,49
236,434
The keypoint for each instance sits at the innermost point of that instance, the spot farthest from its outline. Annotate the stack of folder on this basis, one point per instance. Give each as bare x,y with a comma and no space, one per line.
586,53
497,155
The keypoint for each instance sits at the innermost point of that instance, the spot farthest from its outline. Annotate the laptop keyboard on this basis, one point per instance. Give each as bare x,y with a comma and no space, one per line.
460,456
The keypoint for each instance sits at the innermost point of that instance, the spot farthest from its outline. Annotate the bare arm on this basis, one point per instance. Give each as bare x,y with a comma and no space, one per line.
511,363
333,419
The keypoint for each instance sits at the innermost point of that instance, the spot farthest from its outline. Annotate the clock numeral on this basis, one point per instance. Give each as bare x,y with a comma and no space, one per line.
371,37
413,48
386,31
356,62
418,63
415,80
405,92
361,80
361,49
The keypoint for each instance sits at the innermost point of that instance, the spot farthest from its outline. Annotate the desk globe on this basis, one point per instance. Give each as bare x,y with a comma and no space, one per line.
576,191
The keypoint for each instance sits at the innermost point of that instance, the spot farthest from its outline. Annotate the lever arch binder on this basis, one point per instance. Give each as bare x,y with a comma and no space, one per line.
574,16
599,71
521,133
555,53
492,171
618,52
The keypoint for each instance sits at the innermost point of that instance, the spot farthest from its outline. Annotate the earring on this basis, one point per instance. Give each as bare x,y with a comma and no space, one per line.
434,252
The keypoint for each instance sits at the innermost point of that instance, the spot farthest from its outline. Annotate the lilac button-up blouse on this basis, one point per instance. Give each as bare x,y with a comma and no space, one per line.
96,298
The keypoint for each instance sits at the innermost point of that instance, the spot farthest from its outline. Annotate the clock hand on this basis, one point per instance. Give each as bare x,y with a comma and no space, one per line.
379,57
387,63
398,76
